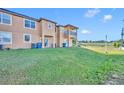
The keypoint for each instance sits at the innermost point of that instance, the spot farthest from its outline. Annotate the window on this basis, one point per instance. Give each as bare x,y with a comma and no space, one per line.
5,38
27,38
0,18
29,24
49,25
5,18
33,25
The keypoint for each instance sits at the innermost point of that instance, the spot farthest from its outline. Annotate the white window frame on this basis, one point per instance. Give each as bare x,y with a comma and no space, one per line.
27,41
10,37
30,24
49,23
2,19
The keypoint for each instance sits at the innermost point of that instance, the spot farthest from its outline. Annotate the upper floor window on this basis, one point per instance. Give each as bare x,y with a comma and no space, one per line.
30,24
0,18
49,25
5,18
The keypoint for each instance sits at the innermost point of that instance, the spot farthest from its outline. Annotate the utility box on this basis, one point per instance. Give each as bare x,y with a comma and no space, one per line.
39,45
1,47
34,45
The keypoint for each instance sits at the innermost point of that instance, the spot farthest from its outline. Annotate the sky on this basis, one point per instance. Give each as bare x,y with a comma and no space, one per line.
93,23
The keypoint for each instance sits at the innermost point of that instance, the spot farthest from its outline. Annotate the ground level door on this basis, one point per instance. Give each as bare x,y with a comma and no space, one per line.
46,42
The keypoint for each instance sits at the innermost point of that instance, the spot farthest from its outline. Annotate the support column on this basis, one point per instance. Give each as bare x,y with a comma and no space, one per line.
76,37
42,34
53,41
69,39
42,41
61,39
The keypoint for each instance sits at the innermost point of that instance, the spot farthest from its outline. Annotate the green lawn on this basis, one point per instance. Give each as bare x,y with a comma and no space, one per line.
58,66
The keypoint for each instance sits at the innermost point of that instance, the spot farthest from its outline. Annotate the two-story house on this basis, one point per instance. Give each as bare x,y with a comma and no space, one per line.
20,31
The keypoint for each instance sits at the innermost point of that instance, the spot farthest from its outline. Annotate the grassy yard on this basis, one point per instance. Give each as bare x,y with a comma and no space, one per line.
58,66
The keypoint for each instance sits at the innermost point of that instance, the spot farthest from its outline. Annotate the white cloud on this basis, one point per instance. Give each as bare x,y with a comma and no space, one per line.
84,31
92,12
107,18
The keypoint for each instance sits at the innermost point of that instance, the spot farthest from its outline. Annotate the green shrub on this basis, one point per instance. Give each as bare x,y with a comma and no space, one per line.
74,42
116,44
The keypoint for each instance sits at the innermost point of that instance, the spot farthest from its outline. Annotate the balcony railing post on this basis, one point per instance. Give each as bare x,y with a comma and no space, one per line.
76,37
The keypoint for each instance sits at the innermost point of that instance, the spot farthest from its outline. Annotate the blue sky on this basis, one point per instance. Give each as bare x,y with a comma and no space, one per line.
93,24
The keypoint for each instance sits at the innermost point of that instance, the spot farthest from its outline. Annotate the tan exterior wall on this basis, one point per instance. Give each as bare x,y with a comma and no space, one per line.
46,30
55,36
48,33
17,29
61,38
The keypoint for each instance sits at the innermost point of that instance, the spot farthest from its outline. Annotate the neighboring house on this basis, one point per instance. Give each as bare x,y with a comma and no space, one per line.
20,31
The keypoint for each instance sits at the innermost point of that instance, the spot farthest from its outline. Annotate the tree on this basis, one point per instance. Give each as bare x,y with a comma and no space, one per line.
117,44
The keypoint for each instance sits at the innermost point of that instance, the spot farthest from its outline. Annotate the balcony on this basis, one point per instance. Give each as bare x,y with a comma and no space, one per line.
73,34
66,33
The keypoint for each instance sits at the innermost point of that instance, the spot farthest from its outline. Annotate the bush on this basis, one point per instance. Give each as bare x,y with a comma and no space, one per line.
116,44
74,42
8,48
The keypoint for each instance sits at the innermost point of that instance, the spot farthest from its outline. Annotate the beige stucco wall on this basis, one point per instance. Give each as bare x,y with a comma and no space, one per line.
49,33
57,37
41,31
18,30
61,38
46,30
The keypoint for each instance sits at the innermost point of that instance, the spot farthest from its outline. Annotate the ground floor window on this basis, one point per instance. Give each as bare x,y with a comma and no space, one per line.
27,38
5,37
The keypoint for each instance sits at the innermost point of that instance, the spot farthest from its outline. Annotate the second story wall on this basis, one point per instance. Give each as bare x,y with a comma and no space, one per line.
17,25
48,28
18,30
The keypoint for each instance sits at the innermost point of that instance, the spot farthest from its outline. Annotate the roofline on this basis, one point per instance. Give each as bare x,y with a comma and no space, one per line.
47,20
17,14
24,16
31,18
72,26
67,25
60,26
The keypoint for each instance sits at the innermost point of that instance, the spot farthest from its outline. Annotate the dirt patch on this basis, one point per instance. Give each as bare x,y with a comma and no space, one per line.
114,79
13,78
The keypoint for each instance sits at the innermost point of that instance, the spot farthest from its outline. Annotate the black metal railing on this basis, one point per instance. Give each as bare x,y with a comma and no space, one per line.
72,33
66,32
